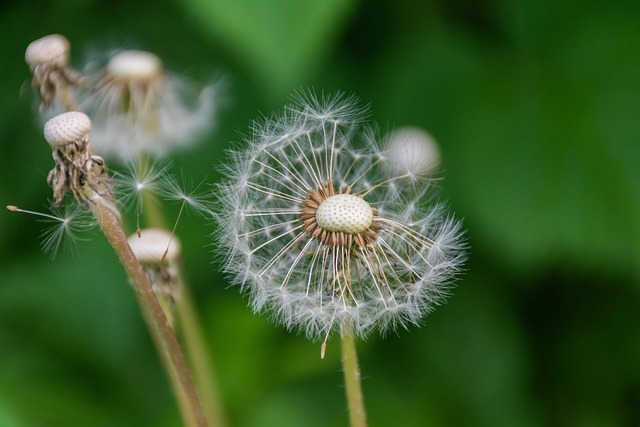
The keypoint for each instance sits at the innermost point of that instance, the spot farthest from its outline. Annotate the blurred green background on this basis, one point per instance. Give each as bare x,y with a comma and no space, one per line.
536,105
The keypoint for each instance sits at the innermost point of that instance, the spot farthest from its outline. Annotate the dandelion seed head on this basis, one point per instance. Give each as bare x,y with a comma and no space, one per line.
139,108
314,226
344,213
134,65
412,152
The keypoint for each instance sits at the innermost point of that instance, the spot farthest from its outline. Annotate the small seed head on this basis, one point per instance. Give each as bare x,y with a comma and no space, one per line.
344,213
50,49
413,151
134,65
66,128
153,245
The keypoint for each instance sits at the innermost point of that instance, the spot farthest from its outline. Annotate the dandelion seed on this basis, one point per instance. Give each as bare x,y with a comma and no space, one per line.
64,230
312,226
191,197
139,108
139,184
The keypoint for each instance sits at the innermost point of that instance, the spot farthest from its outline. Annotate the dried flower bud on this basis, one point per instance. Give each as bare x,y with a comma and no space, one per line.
48,59
159,254
51,49
77,169
154,245
66,128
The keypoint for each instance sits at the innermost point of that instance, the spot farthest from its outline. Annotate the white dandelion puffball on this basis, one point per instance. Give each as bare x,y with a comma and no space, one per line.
315,229
412,152
139,108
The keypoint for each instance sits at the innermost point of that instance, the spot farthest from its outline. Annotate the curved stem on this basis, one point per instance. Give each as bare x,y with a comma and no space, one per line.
353,387
163,335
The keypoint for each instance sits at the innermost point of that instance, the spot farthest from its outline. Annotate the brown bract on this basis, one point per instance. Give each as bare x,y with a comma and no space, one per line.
48,59
76,169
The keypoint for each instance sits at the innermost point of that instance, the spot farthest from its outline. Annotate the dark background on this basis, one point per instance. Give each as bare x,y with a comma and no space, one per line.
536,106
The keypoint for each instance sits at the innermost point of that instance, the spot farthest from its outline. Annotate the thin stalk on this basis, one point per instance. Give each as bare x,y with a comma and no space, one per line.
153,215
189,328
67,99
163,335
353,387
199,357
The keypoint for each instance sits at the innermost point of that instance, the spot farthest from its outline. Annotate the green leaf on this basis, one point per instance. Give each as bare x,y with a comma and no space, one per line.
539,141
280,40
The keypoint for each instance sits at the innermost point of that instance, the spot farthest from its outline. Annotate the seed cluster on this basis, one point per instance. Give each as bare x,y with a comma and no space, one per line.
339,219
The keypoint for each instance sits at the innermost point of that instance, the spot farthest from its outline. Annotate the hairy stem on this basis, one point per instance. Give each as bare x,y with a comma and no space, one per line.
163,335
355,401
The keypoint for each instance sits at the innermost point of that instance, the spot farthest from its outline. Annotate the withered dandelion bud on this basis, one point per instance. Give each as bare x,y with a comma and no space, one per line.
155,245
48,60
159,254
77,169
51,50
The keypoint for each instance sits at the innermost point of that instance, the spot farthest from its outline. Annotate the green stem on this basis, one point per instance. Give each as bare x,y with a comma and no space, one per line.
153,215
353,387
163,335
200,358
189,329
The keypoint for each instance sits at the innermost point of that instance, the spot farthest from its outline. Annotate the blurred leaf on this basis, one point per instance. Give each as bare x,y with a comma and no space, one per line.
279,40
75,340
468,365
547,147
540,146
